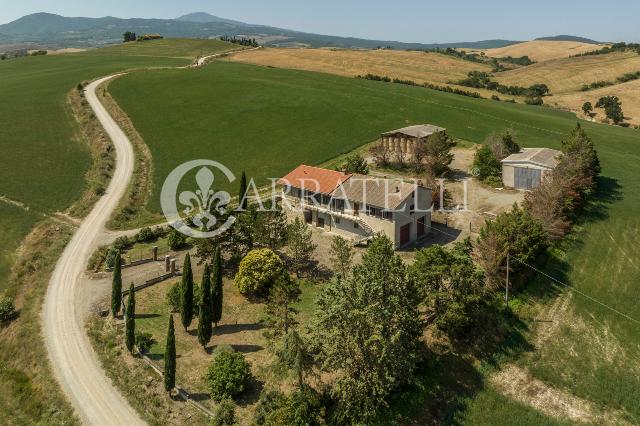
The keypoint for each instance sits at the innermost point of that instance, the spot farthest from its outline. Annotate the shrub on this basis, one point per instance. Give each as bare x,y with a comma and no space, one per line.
176,239
302,407
7,310
493,181
144,341
258,271
224,413
173,297
227,374
145,234
534,100
122,243
110,259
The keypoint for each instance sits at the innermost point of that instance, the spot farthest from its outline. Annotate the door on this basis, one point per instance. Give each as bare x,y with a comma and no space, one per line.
526,178
420,229
405,234
320,222
356,209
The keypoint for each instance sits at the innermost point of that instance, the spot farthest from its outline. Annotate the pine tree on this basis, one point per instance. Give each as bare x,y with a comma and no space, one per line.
170,358
243,190
217,291
204,311
186,313
130,323
116,286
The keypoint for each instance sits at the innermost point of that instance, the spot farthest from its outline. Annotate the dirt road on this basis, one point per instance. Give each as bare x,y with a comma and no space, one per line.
73,361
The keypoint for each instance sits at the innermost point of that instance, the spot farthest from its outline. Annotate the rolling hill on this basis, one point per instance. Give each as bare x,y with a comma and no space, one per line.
58,31
543,49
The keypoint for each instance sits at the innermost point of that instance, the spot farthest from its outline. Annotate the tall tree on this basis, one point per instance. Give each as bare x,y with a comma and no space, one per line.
116,286
217,289
204,311
170,358
294,355
243,192
367,327
341,255
280,313
301,246
186,312
130,324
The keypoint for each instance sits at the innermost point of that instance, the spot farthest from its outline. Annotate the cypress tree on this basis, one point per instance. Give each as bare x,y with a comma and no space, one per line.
204,314
116,286
216,291
170,358
243,190
186,313
130,324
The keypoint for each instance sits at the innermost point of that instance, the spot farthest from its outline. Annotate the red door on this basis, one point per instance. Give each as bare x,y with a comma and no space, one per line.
405,233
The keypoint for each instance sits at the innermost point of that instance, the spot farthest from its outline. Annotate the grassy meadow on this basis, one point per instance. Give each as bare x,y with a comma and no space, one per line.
266,121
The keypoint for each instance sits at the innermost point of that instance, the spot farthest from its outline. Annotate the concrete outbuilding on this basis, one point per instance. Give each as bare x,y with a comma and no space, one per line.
527,168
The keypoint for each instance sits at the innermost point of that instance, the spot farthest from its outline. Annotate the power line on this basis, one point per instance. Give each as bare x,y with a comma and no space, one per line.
593,299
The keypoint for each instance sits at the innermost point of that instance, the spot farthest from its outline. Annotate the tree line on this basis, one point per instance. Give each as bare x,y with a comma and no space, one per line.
447,89
481,79
243,41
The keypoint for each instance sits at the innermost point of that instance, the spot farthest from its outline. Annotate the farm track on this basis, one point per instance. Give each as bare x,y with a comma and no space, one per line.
74,362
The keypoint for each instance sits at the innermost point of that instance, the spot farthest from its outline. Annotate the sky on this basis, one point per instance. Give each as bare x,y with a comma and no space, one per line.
401,20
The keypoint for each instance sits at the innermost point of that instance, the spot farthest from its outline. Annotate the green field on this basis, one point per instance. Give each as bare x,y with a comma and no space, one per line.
44,161
42,167
266,121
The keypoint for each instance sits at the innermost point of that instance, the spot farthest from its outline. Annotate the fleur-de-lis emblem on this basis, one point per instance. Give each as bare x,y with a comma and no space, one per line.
201,204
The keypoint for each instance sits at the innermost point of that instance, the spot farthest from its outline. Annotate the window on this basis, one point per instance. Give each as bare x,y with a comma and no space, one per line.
387,215
355,225
336,219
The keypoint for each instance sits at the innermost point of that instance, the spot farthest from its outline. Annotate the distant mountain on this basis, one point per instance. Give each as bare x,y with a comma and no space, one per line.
58,31
567,38
204,17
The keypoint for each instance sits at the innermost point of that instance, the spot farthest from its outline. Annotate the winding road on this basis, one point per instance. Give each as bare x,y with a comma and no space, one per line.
74,363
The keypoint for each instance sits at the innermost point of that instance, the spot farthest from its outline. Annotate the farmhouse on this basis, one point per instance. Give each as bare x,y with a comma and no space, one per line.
407,139
527,168
359,206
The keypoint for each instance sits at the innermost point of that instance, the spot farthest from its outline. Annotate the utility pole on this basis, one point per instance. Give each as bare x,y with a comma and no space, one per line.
506,288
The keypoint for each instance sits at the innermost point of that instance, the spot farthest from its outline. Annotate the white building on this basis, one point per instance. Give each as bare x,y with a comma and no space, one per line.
357,206
527,168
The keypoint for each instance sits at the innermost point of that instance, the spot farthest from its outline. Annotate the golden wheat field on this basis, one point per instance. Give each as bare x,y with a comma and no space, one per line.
569,74
629,94
542,50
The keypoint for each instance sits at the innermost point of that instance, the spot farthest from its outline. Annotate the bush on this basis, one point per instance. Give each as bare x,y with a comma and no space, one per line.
227,374
258,271
224,414
122,243
176,239
110,259
7,310
144,341
302,407
533,100
173,297
145,234
493,181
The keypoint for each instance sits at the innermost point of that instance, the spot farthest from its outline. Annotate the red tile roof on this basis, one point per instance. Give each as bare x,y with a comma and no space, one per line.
314,179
